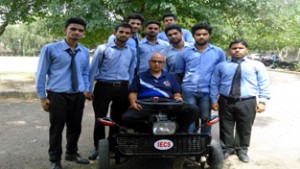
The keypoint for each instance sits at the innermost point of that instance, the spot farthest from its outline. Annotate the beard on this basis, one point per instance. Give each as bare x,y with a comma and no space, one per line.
201,43
75,38
123,40
135,30
152,35
176,42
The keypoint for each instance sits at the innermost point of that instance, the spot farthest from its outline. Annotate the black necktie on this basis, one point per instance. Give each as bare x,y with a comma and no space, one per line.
235,91
73,69
137,53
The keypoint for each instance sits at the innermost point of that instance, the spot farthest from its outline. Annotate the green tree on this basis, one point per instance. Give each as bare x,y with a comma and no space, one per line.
25,40
20,11
265,24
230,18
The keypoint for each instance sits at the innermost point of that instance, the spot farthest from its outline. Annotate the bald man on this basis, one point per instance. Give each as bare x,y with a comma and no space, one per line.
156,83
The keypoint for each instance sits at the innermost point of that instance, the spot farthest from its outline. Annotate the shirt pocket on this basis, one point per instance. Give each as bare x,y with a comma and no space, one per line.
60,60
249,73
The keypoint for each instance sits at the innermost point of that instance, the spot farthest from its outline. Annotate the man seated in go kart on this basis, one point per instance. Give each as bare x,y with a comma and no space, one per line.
157,83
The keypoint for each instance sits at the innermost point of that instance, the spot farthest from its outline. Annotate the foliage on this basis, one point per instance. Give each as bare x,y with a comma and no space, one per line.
20,11
267,25
25,40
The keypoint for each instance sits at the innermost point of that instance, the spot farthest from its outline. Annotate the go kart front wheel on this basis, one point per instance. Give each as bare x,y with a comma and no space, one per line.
103,153
215,156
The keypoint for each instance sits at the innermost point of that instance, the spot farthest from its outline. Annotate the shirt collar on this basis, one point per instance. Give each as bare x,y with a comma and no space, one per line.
135,36
186,44
209,46
113,44
243,59
66,46
163,74
145,40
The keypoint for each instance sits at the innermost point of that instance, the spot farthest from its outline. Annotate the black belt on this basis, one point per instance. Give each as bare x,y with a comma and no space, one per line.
49,91
230,99
115,83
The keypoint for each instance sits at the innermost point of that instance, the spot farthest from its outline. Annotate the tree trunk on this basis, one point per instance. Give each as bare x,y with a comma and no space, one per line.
3,26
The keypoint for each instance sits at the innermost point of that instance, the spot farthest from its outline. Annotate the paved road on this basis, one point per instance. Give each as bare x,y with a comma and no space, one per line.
24,138
275,142
24,126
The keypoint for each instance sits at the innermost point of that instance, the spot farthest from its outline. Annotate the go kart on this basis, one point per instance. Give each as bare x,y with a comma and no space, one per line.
163,141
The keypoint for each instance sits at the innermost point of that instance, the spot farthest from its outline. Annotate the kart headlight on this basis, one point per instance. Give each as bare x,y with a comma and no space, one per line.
164,128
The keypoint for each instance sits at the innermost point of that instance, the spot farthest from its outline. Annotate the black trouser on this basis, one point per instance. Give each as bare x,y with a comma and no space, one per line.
238,114
64,109
184,116
104,93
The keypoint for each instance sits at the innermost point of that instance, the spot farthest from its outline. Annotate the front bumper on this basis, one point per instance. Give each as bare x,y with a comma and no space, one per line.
143,144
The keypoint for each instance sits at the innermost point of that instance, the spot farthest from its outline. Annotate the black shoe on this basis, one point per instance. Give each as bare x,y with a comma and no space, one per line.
76,158
93,155
227,153
55,165
243,157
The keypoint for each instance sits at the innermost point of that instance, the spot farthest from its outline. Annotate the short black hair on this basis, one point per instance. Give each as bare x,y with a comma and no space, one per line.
238,41
168,15
124,25
201,26
136,16
75,20
152,22
170,27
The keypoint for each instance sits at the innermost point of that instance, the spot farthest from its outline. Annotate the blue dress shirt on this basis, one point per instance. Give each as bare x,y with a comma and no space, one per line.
147,85
54,71
111,63
254,80
187,36
146,49
170,53
198,67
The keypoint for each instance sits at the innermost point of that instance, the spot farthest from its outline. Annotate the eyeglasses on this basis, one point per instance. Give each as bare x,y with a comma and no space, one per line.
157,61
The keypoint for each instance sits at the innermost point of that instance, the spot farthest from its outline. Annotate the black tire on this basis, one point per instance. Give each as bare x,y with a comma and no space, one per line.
103,153
282,66
215,156
293,67
267,62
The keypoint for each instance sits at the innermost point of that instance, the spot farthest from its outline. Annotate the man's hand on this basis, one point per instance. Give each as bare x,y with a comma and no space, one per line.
260,107
45,104
215,106
178,98
88,95
136,106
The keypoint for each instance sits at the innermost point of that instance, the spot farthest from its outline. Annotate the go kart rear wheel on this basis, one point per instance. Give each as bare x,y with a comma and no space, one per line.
103,153
215,156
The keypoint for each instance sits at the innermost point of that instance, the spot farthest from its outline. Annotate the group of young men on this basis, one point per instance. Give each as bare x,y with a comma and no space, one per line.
127,68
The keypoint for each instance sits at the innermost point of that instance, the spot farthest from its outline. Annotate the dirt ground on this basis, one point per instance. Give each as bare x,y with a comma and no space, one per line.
275,143
24,141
